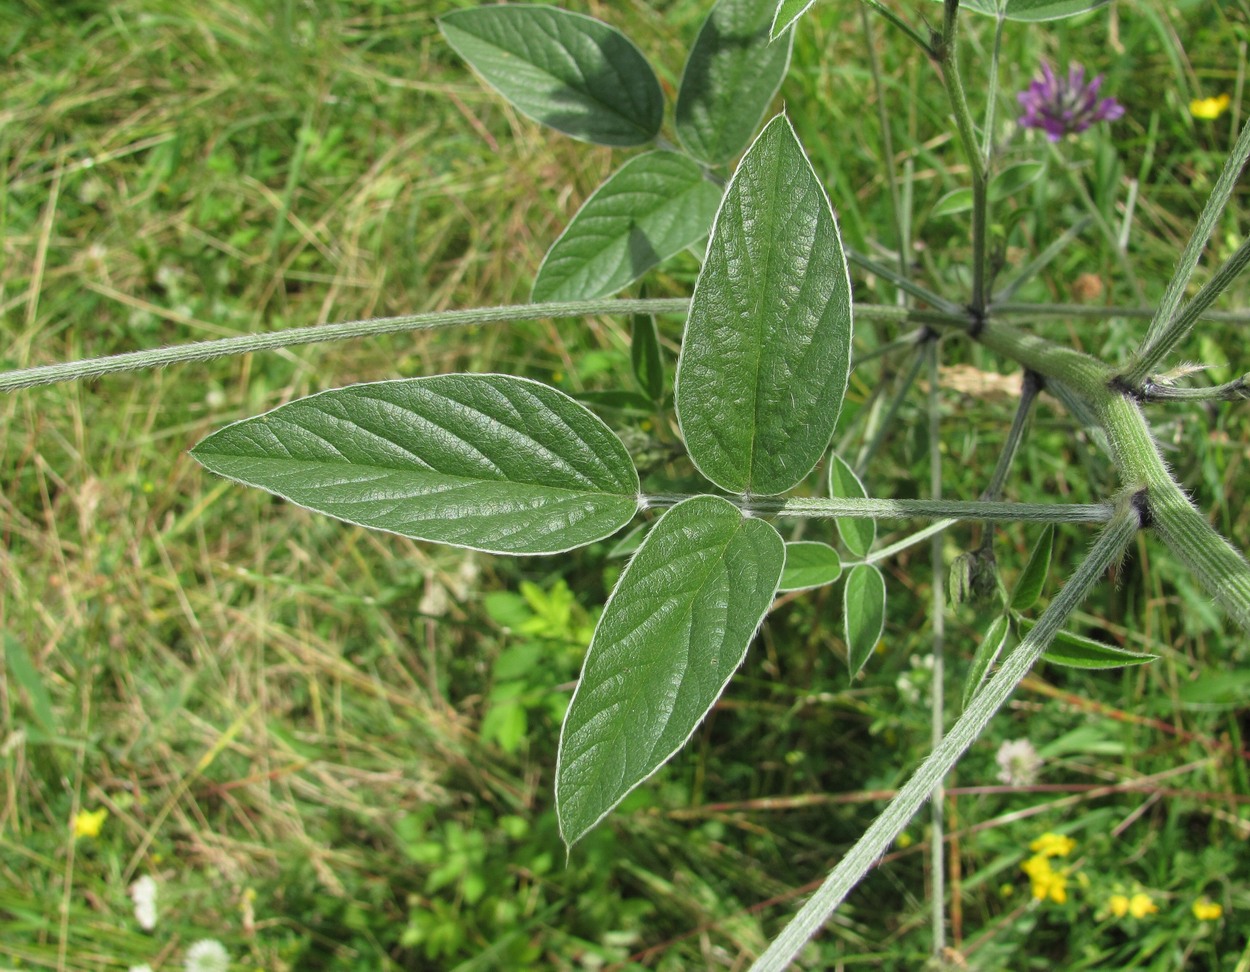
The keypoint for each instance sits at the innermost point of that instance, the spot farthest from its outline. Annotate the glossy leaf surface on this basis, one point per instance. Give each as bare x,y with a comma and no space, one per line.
651,208
492,462
810,564
863,612
566,70
672,634
766,352
859,533
733,72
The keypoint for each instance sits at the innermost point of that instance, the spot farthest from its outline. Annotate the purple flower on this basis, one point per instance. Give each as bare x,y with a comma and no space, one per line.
1061,106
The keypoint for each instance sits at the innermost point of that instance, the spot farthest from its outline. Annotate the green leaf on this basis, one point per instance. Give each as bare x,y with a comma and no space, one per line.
1035,10
730,78
859,533
1033,578
562,69
987,653
491,462
1077,651
645,354
810,564
766,352
1006,183
672,634
863,613
22,670
788,11
652,207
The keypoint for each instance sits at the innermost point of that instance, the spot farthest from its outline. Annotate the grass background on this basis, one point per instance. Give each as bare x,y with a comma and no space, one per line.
333,748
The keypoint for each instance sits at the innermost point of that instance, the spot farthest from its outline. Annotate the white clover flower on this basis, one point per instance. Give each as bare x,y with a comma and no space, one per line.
206,955
143,893
1018,762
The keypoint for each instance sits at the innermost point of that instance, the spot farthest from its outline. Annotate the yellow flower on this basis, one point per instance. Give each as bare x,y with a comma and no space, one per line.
1140,905
1044,881
1118,905
89,822
1207,910
1208,108
1052,845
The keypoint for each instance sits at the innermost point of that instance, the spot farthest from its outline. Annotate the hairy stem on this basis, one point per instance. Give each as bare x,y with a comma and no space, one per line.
937,699
435,320
1107,550
816,508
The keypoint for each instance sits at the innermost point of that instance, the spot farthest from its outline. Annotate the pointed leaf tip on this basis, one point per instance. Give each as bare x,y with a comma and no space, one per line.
766,353
490,462
672,634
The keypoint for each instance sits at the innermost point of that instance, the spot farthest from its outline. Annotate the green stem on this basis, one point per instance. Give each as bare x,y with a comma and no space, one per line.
1236,390
885,553
991,97
887,143
1162,323
1087,311
1219,567
905,509
949,61
903,283
937,699
435,320
850,870
1176,329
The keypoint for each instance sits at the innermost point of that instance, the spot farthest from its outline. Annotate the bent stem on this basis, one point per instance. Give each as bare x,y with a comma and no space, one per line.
1108,548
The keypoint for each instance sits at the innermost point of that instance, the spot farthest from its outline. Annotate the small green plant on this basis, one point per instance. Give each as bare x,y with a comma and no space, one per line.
507,465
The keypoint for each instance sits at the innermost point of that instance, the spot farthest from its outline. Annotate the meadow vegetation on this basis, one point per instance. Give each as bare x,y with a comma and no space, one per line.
334,748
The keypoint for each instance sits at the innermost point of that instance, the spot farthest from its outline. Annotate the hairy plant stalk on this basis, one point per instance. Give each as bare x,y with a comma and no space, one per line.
937,696
884,509
1108,548
1219,567
435,320
1179,327
1162,322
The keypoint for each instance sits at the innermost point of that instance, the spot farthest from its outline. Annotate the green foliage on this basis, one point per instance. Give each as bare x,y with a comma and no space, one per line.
650,209
732,73
858,533
810,564
763,363
566,70
328,748
672,634
863,614
490,462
